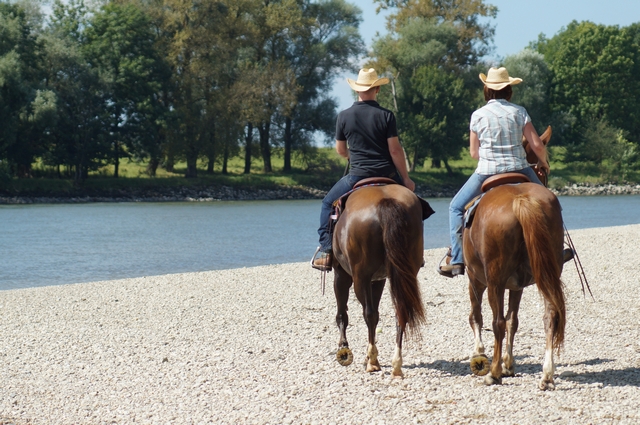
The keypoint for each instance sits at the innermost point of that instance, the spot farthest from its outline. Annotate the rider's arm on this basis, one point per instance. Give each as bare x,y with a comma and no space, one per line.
341,148
474,145
398,158
538,147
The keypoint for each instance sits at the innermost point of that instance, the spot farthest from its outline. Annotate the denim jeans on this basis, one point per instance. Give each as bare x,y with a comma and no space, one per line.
343,185
471,189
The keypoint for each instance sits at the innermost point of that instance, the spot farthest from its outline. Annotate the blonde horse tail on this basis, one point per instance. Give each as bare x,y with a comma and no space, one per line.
405,289
541,243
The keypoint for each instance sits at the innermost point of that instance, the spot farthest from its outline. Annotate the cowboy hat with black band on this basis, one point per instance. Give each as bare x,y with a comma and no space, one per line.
367,79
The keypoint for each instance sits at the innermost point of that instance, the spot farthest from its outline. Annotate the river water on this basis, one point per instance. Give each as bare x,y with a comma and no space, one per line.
53,244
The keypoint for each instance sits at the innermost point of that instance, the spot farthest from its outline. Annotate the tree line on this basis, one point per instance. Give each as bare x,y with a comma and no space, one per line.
162,81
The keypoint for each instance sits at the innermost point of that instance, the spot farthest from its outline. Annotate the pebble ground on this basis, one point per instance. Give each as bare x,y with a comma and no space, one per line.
257,346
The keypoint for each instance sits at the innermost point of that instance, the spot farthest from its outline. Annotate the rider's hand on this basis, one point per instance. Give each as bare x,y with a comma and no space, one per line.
410,184
543,166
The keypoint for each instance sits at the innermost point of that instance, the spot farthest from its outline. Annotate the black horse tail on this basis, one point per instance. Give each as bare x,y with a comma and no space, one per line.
405,289
544,251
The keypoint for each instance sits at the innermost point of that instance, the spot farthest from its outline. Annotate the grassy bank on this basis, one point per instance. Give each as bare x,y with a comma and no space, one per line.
319,171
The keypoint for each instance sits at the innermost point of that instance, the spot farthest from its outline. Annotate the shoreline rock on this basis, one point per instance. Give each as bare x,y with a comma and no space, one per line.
227,193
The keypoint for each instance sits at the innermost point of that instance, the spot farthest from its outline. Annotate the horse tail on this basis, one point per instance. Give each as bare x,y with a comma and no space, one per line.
405,289
543,257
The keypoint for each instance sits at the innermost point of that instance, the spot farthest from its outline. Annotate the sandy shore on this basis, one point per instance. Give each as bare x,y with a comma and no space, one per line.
257,345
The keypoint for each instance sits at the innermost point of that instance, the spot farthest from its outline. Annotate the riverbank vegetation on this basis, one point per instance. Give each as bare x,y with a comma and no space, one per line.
326,168
141,94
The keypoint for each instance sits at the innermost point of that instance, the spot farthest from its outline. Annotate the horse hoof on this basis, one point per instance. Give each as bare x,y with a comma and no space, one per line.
344,356
490,380
546,385
373,368
508,372
479,364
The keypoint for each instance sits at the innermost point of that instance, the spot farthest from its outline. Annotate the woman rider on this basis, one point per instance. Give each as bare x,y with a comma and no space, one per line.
495,140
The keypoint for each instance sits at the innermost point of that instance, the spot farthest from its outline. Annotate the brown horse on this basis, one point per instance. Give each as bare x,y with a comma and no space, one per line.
516,239
379,235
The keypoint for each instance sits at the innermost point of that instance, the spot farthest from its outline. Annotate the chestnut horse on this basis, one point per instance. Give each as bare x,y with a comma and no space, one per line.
516,239
379,235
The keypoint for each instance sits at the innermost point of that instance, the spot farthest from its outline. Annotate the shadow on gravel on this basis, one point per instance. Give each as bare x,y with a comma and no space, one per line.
592,362
608,378
451,367
524,365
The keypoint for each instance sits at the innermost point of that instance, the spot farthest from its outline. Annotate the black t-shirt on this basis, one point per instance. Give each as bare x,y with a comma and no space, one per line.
366,126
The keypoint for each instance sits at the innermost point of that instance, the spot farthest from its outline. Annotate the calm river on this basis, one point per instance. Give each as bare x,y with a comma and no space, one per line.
55,244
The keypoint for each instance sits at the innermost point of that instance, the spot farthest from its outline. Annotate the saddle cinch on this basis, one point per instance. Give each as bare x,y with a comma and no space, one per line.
490,183
338,205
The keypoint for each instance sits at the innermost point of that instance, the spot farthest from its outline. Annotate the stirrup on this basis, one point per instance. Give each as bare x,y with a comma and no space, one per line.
318,267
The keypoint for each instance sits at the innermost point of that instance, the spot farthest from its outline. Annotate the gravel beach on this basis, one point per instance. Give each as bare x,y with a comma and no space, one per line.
257,345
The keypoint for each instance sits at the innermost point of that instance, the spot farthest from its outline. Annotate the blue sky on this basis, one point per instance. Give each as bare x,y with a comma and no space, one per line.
518,22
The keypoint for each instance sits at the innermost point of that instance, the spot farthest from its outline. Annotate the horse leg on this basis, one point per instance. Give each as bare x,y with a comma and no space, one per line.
341,286
496,301
508,363
548,367
479,362
370,298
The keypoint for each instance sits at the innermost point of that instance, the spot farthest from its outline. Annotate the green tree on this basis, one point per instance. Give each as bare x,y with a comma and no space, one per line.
77,140
119,44
468,17
432,100
26,108
533,92
595,78
324,47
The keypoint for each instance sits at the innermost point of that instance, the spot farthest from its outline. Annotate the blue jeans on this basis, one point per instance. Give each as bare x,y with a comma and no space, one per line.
471,189
343,185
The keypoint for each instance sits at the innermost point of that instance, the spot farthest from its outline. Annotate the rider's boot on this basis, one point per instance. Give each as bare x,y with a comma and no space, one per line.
323,261
451,270
448,269
567,254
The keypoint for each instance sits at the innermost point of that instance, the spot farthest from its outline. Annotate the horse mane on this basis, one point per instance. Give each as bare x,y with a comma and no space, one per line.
545,267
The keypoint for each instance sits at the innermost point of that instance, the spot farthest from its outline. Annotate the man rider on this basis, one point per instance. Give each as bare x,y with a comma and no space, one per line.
366,134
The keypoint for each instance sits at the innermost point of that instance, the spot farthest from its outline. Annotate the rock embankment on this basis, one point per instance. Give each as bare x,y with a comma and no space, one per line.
227,193
180,194
598,189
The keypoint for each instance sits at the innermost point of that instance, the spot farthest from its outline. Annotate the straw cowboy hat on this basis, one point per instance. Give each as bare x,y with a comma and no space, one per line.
498,79
367,78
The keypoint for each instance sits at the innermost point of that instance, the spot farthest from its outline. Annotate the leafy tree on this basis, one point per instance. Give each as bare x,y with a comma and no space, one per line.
533,92
201,42
273,27
25,107
77,140
468,17
119,44
433,101
595,78
327,45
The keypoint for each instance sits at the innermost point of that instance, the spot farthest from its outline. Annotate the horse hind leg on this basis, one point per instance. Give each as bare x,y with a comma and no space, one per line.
496,301
508,362
341,286
396,363
370,306
479,362
548,367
